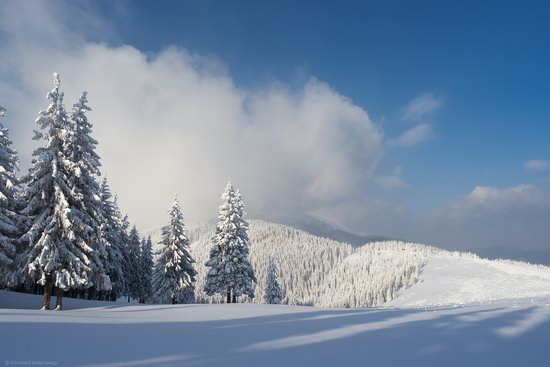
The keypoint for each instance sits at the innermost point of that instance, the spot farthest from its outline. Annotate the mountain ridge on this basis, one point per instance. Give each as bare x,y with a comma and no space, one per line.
319,271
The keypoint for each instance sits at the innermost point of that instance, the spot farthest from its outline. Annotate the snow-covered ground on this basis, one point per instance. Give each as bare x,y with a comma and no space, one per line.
446,309
501,334
447,280
32,302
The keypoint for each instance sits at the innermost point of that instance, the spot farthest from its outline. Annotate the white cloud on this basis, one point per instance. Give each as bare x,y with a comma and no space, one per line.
392,181
421,106
536,165
488,200
177,123
515,217
413,136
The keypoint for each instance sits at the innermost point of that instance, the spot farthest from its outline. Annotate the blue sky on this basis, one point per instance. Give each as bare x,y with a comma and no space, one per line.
426,120
487,62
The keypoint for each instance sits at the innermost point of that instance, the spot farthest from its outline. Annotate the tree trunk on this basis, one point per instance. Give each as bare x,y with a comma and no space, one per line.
59,302
228,299
91,293
47,292
234,298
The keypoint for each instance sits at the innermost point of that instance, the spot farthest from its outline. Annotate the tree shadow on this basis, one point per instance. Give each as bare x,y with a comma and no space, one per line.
317,337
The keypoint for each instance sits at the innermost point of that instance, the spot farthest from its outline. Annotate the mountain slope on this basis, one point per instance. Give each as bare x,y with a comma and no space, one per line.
321,272
448,280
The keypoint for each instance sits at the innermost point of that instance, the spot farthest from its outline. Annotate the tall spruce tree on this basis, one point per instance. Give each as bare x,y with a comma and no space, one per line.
128,263
9,219
87,192
111,233
230,273
146,270
272,293
133,275
61,249
174,275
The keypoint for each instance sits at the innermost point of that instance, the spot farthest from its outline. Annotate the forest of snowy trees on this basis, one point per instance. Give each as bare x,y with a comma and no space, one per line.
62,232
61,229
303,269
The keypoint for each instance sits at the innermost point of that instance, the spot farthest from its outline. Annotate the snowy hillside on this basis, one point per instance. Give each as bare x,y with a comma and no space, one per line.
504,334
448,280
322,272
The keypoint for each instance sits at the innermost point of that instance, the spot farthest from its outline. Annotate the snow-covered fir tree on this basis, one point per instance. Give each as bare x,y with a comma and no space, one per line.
272,292
174,275
9,219
111,232
230,272
123,226
61,249
146,270
86,190
133,265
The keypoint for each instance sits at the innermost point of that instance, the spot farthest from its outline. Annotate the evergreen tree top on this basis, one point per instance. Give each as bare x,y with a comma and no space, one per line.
175,231
82,104
231,224
105,190
134,233
56,80
175,205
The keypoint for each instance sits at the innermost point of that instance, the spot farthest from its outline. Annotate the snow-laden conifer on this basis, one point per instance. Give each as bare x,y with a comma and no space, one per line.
8,202
111,233
127,264
133,270
146,269
61,250
272,292
86,190
174,275
230,272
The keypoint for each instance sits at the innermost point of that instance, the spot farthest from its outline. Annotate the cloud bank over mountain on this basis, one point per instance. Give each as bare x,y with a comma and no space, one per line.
177,122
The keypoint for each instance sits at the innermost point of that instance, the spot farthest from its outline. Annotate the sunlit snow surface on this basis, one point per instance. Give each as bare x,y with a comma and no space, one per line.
452,281
504,333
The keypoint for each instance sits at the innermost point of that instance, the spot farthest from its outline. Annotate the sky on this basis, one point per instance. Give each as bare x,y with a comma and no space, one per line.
424,120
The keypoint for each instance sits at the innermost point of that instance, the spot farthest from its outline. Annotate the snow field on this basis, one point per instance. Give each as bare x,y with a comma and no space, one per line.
504,334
